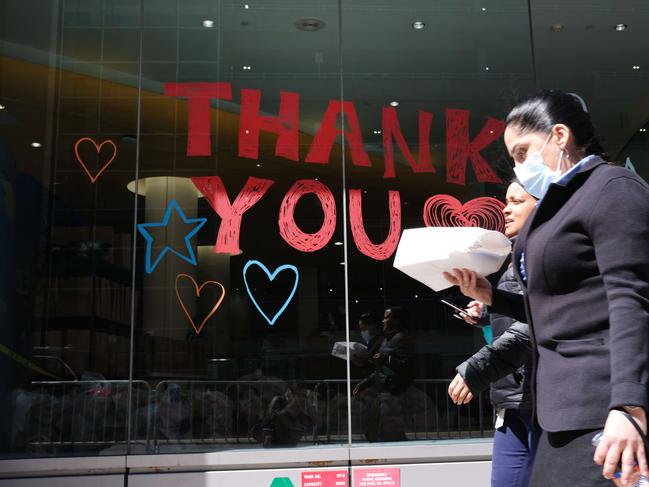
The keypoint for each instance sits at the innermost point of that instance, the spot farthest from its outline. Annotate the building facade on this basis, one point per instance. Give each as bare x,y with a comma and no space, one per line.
200,199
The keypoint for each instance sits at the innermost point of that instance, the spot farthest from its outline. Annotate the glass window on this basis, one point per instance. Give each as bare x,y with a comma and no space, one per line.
200,203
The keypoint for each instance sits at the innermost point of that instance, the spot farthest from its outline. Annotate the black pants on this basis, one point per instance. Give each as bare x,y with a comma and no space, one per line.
566,459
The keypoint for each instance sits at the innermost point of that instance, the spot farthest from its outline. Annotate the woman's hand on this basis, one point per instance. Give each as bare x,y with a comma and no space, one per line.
459,391
471,285
474,309
622,445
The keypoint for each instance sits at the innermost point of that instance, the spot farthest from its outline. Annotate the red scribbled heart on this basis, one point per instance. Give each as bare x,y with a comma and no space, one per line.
198,290
444,210
98,148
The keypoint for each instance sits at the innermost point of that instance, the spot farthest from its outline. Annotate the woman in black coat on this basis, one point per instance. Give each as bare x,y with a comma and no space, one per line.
586,282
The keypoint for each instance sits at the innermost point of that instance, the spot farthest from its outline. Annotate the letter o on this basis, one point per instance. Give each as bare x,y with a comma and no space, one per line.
288,229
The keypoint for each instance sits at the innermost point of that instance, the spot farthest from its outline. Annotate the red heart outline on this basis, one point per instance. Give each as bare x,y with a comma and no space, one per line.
93,179
198,290
444,210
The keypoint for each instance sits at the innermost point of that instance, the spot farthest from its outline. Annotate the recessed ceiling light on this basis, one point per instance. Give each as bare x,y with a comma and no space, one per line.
376,132
356,301
247,68
484,9
208,23
643,130
394,103
310,24
338,243
557,27
486,68
342,263
331,290
258,165
2,107
36,144
416,296
418,25
246,6
620,27
636,67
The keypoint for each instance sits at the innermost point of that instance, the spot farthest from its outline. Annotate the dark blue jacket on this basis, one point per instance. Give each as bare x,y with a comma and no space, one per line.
499,363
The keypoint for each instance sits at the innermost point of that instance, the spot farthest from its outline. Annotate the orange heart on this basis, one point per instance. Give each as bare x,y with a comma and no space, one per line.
198,293
98,149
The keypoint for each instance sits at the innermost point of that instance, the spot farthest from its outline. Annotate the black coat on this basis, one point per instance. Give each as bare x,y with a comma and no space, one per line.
498,363
586,259
392,369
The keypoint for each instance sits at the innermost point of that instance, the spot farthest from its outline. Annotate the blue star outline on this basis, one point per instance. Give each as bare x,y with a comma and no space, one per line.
142,228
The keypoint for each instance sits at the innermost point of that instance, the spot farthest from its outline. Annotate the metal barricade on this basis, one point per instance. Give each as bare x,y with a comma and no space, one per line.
92,415
80,416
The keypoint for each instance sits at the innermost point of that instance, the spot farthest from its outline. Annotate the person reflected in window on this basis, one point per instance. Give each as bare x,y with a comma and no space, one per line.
515,437
585,277
389,380
371,337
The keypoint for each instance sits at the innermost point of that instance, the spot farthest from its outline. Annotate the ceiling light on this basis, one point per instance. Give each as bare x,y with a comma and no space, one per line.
331,290
246,6
636,67
258,165
486,68
484,9
416,296
338,243
2,107
557,27
36,144
310,24
356,301
418,25
247,68
208,23
342,263
643,130
620,27
394,103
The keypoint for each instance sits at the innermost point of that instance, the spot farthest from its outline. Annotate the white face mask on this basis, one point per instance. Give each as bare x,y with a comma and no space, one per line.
535,175
366,335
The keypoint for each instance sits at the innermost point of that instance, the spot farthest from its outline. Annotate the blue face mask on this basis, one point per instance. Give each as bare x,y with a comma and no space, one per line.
366,335
535,175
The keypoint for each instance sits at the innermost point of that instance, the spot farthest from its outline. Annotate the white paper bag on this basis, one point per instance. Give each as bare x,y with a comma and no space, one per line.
424,253
340,349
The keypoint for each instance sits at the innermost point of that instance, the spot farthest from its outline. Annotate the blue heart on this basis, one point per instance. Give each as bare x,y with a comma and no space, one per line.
271,277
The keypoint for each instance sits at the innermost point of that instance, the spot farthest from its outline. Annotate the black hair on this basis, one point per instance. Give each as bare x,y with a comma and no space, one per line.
515,180
369,319
545,109
400,315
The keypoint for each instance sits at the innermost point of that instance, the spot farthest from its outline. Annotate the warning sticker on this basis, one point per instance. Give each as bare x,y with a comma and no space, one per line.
325,478
376,477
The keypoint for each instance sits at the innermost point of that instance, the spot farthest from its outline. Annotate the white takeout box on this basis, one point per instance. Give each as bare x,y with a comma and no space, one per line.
424,253
340,349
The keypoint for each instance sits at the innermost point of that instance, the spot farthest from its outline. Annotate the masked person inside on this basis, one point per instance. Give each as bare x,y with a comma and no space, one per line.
516,436
585,279
391,377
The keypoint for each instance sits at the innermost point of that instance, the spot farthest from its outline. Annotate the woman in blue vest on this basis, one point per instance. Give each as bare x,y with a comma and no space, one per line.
515,436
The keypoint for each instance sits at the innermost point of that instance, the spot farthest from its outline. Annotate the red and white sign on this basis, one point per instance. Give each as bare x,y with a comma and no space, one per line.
325,478
376,477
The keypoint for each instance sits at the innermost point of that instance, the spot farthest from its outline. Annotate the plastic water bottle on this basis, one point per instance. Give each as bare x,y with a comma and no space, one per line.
641,481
